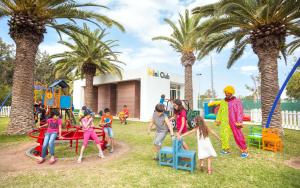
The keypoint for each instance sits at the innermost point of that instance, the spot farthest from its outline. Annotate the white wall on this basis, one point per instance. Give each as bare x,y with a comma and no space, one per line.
78,93
151,90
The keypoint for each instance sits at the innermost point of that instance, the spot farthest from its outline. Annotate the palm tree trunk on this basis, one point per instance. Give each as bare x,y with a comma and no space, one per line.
268,68
188,80
90,92
21,116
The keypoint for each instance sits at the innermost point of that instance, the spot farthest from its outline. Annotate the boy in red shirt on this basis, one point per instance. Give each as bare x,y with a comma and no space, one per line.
106,120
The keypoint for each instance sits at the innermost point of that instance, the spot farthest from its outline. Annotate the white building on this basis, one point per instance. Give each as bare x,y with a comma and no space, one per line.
139,89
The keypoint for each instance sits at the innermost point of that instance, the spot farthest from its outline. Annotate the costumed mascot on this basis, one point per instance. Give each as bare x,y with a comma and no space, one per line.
230,118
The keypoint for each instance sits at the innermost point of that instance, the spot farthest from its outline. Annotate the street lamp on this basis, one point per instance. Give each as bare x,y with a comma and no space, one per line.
199,74
212,77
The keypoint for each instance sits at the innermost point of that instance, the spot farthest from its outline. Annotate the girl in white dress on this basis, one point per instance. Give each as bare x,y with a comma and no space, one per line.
205,148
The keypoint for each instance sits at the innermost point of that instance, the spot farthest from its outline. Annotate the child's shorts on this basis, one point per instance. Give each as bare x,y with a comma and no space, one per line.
109,131
159,138
90,134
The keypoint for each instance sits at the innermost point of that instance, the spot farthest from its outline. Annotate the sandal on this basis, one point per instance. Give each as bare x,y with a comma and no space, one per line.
41,161
209,171
202,168
52,161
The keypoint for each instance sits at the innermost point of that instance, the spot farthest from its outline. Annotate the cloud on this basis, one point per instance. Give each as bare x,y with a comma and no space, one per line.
145,18
53,48
102,2
249,70
150,56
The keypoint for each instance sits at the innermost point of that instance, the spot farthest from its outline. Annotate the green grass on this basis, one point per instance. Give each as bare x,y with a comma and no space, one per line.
9,139
136,169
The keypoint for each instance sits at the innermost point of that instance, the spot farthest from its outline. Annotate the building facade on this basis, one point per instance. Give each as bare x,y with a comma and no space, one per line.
139,89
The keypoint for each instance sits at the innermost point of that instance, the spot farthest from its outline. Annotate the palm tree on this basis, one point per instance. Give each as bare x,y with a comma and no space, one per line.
292,46
262,24
27,26
89,53
185,40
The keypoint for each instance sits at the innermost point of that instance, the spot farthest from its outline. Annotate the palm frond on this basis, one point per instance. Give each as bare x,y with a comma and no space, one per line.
237,52
292,46
88,48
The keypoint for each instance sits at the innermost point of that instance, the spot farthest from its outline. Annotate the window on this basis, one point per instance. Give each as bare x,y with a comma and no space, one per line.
175,91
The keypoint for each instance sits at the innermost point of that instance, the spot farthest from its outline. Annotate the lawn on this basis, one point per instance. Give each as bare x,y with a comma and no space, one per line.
137,169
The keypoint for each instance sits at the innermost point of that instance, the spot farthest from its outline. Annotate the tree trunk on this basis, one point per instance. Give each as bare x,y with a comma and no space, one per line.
268,68
89,93
21,116
188,80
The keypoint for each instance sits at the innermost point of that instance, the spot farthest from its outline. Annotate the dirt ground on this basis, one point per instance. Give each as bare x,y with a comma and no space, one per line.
294,163
14,160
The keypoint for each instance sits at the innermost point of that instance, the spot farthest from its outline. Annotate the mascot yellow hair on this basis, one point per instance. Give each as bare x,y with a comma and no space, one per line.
229,89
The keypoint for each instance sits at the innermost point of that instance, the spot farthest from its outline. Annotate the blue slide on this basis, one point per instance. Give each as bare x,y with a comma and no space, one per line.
6,98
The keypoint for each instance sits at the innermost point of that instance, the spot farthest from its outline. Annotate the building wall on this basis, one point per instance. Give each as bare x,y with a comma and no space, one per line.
151,90
129,93
107,97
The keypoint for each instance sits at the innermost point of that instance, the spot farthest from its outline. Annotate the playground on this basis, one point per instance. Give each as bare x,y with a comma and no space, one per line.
133,151
132,166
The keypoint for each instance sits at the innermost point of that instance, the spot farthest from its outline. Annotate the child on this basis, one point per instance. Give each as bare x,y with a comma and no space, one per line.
162,99
124,114
43,118
54,127
163,125
81,113
170,107
88,128
205,148
181,119
106,120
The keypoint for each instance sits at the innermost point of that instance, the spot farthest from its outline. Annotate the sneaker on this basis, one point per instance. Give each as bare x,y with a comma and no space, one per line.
202,167
107,145
244,155
155,158
101,155
111,150
79,159
223,152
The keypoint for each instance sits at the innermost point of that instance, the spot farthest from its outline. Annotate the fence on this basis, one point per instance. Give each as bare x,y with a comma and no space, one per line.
289,105
5,111
290,119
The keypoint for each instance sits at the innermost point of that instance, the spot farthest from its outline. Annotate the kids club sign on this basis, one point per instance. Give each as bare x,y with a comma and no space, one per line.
154,73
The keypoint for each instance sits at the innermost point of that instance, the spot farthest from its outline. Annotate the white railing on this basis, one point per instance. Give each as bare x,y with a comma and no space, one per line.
5,111
290,119
201,112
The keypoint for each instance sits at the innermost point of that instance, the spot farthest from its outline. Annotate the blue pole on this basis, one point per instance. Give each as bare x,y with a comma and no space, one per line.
6,98
280,92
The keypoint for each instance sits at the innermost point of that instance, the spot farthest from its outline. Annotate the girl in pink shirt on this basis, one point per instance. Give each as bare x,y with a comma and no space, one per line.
181,119
88,128
54,127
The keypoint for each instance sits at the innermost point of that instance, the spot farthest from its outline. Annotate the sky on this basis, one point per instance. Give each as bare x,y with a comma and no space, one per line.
143,20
